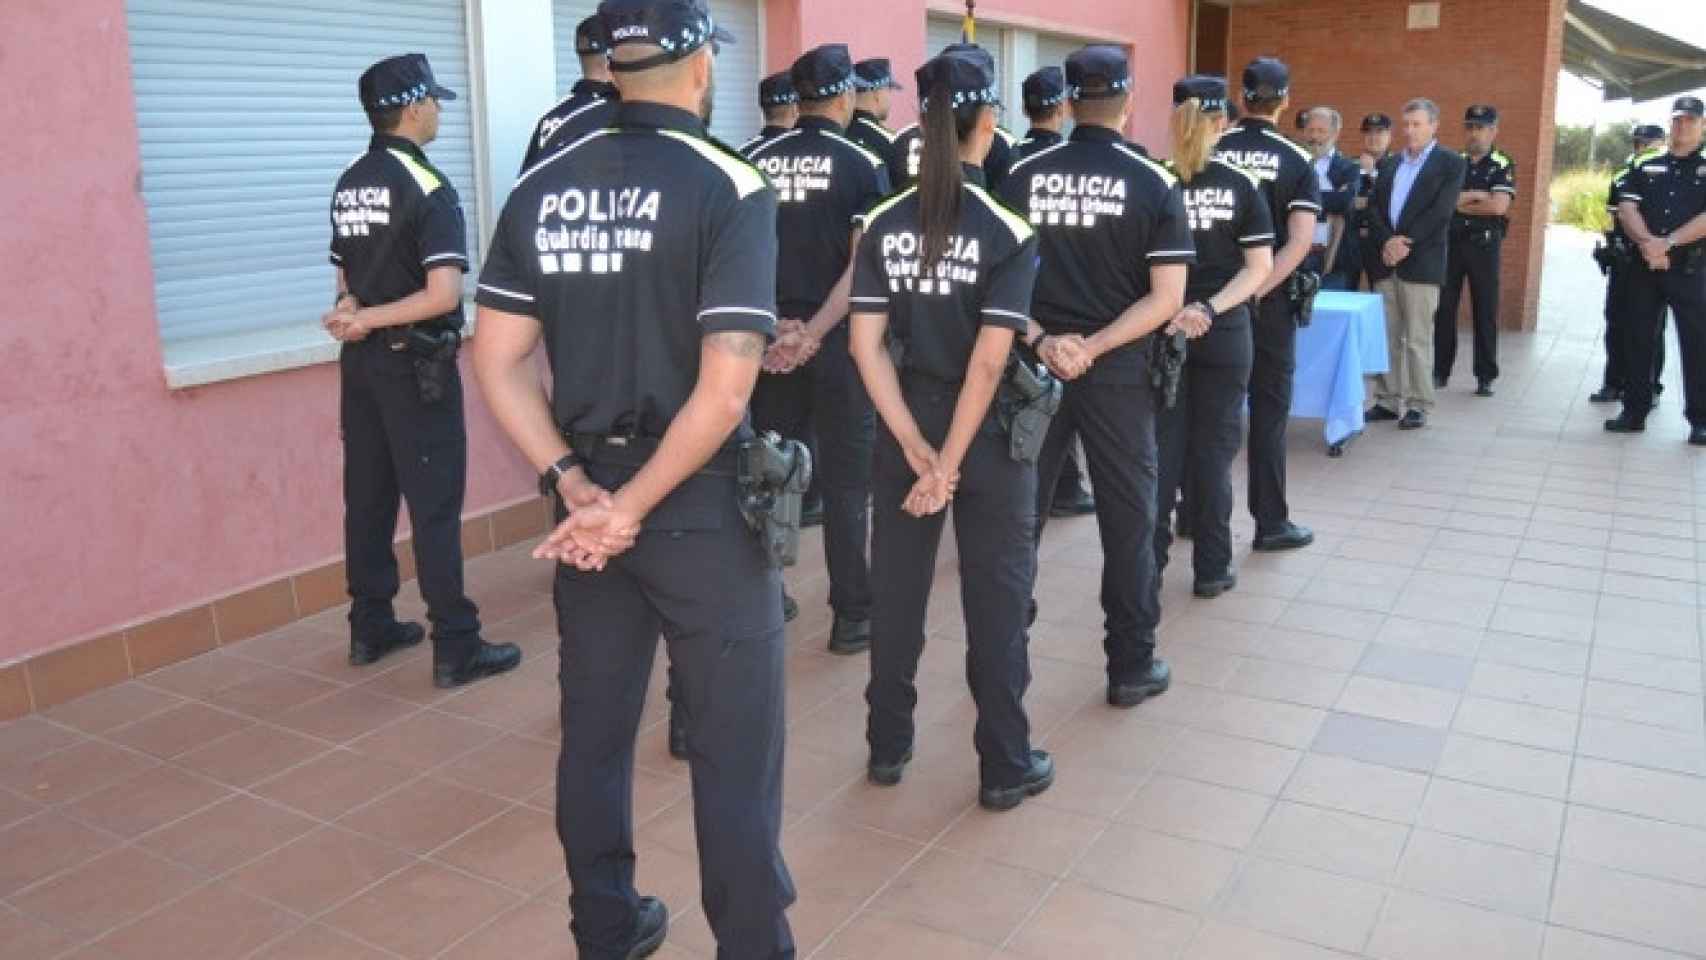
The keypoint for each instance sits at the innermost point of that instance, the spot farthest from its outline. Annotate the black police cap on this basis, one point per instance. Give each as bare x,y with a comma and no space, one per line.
1266,78
1209,90
1376,121
589,37
875,74
678,27
965,70
1481,115
1647,133
823,72
777,90
1688,106
399,81
1044,88
1097,72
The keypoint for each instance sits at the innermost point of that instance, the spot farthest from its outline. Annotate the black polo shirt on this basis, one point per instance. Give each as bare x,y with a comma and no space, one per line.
1670,190
1618,180
629,246
868,132
1286,170
1227,215
909,146
1106,214
1496,172
823,180
768,131
591,104
985,278
394,217
1034,141
1366,182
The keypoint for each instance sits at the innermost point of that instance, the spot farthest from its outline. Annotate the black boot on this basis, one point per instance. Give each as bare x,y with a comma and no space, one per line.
1289,537
1037,779
488,660
790,608
887,774
650,928
371,646
1151,683
849,636
1214,586
1626,422
1606,395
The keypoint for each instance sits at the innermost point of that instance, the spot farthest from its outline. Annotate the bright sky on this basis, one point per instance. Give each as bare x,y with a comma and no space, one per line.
1579,102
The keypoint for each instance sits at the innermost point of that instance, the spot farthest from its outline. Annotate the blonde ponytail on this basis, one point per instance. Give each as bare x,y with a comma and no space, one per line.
1193,134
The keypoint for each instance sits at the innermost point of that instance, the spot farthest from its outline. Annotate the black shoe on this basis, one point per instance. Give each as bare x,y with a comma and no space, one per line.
811,515
1031,613
1413,420
1379,414
850,636
1209,589
1078,503
887,774
1697,436
1290,537
1626,422
650,927
1153,683
1037,779
1606,395
1484,388
677,736
372,648
790,608
1440,382
489,660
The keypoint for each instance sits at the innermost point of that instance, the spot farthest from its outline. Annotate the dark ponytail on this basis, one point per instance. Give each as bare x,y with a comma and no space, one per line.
939,171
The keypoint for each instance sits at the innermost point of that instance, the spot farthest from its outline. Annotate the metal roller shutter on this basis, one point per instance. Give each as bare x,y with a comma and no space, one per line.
734,111
1052,49
247,114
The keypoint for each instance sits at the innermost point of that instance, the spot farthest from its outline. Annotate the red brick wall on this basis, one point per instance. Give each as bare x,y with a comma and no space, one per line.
1358,57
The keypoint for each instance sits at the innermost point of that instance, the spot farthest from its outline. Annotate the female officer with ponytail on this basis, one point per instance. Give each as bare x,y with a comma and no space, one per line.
1234,236
946,272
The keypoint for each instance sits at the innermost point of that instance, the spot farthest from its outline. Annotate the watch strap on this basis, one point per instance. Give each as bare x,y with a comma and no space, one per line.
554,473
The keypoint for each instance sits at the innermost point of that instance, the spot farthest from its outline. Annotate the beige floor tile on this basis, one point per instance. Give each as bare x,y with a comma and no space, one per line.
1040,839
882,935
1399,702
1224,941
1230,761
1286,683
1663,673
214,923
1364,788
1080,921
1332,840
1536,653
964,896
419,912
1642,745
1496,816
1516,723
1506,766
1678,711
1565,944
1541,688
1197,811
1423,928
1144,865
1650,912
1498,878
1636,845
1303,904
1284,724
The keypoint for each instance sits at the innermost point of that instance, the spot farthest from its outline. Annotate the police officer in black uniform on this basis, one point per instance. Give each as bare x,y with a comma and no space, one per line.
1662,206
644,255
1293,195
1472,250
400,253
909,146
1115,244
824,180
1376,145
946,271
1616,257
1234,237
780,106
591,102
873,79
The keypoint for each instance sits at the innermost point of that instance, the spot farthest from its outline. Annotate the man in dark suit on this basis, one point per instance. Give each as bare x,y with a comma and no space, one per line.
1333,252
1414,199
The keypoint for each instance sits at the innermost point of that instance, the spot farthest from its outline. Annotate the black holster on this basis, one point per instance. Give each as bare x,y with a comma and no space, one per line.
433,352
1167,366
1026,401
1300,289
772,474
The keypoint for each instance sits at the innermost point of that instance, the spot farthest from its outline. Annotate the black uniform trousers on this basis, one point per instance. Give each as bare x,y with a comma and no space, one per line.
1616,330
1650,292
1469,259
994,516
1199,439
1117,424
1274,361
698,577
827,399
398,448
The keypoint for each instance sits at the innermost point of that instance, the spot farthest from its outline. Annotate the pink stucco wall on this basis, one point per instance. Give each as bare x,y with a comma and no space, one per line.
123,500
1158,32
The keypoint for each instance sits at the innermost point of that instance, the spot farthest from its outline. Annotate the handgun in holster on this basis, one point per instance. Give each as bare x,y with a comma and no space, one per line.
1167,366
772,474
1300,289
1026,401
433,353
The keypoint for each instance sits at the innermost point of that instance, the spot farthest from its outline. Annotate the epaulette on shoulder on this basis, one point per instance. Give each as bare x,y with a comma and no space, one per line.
746,178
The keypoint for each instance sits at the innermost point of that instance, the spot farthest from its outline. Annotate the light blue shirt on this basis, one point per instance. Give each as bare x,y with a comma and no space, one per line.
1405,178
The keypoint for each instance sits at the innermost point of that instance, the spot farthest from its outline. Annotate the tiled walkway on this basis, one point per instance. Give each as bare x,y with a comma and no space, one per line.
1467,723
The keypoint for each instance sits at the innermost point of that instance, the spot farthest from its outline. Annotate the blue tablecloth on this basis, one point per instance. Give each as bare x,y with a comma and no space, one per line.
1345,342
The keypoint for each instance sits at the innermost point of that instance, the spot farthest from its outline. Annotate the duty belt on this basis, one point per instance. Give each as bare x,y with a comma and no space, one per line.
623,451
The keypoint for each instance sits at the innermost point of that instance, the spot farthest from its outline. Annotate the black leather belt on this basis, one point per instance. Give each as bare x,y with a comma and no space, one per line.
621,451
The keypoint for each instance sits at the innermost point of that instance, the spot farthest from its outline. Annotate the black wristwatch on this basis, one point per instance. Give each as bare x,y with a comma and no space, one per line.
554,472
1208,308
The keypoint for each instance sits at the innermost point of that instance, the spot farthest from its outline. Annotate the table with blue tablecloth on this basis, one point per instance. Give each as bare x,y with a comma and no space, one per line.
1344,343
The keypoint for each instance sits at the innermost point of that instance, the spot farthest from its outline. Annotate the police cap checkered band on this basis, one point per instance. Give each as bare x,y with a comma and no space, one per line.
677,27
968,73
399,81
777,90
1096,72
1045,88
823,72
875,74
1266,77
1209,91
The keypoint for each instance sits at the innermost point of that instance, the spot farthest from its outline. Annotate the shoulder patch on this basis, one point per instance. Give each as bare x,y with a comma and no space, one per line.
864,151
1276,135
744,176
1021,230
427,180
1163,173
